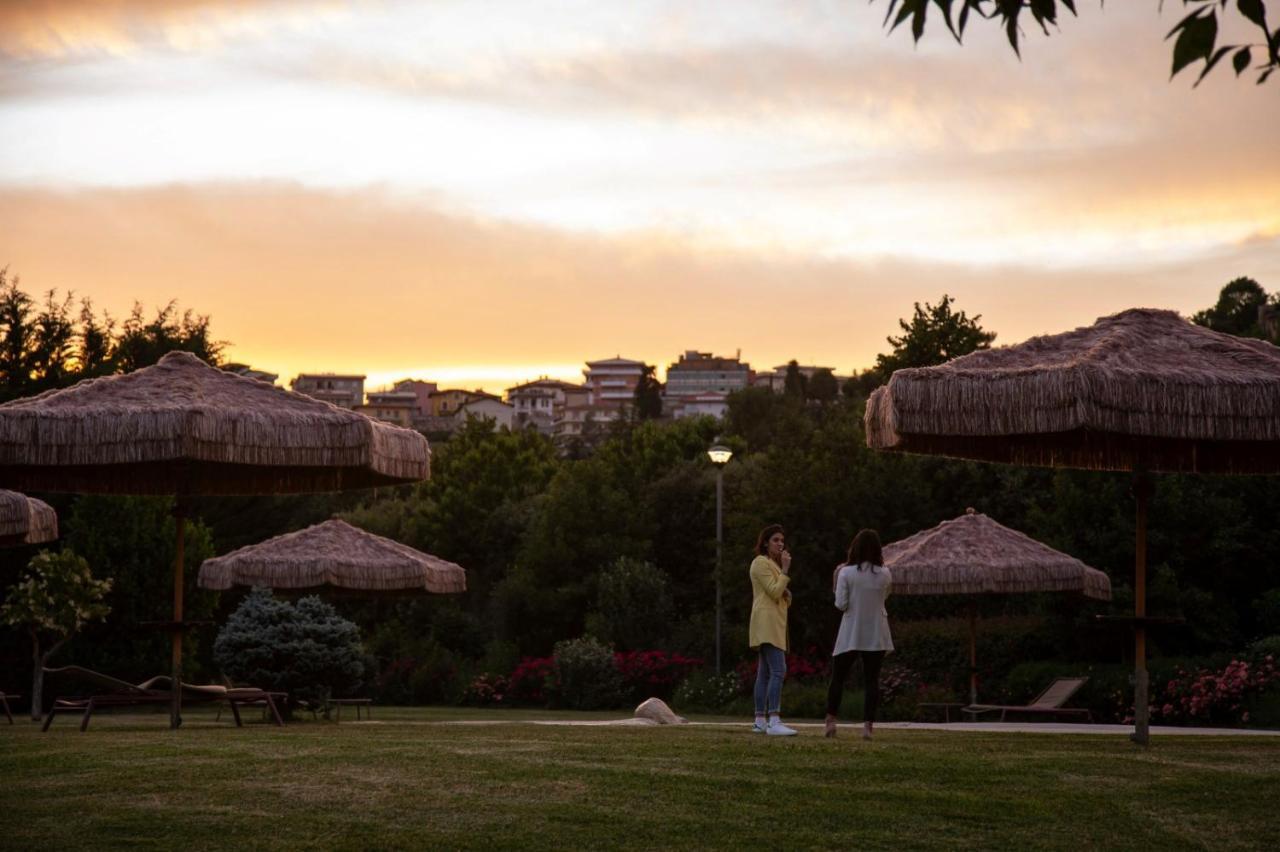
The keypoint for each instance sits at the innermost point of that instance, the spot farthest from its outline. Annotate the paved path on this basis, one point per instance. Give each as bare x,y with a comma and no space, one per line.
853,730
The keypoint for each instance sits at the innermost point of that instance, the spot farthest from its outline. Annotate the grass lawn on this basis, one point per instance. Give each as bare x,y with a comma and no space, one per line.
408,780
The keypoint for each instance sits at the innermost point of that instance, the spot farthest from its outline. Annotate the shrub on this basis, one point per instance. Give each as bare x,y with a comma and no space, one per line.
633,605
811,667
938,649
528,681
485,690
704,693
652,674
1207,696
305,649
585,676
1267,609
426,675
809,701
1269,645
1263,709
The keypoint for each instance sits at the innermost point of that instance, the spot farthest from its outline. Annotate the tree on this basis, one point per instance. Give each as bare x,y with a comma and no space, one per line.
52,353
935,335
96,353
795,384
633,606
143,343
1196,34
823,386
648,396
56,599
43,346
1238,310
15,337
132,541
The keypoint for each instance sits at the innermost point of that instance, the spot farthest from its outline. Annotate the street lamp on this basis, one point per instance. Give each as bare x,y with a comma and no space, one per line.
719,456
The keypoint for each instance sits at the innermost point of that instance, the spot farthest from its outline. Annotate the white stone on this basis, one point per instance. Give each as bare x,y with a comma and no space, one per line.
657,710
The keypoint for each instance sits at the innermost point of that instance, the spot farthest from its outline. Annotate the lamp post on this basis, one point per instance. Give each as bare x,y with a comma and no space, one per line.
719,456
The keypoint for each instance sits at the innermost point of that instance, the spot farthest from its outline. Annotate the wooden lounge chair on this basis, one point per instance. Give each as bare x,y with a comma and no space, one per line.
4,702
1046,705
113,692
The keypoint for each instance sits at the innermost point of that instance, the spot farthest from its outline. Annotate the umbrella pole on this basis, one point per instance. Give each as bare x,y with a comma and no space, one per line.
1141,699
175,702
973,653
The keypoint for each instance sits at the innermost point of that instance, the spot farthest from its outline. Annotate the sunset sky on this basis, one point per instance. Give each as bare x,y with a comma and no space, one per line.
482,192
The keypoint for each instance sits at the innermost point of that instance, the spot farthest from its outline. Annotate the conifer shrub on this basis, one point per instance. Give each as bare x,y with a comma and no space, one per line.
305,648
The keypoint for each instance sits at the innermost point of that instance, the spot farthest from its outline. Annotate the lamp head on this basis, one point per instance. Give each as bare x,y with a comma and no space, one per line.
720,454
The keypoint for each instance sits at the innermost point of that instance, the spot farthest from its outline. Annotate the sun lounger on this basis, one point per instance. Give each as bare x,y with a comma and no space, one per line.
113,692
1046,705
4,702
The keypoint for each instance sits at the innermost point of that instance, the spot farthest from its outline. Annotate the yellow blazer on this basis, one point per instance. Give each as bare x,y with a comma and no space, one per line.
768,604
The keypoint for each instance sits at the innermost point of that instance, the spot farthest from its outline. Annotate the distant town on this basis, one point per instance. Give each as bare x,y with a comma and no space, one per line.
697,384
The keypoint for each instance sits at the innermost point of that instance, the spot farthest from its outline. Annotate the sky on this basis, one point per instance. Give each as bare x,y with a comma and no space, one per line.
481,192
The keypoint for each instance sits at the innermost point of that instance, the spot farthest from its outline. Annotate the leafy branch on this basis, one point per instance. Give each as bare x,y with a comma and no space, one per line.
1195,36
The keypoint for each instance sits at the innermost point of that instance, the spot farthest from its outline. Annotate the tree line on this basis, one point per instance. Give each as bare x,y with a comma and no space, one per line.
618,541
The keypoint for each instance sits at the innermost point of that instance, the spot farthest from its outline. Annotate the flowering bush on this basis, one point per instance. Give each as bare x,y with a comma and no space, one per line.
427,676
528,681
812,666
648,674
1209,696
896,680
485,690
707,693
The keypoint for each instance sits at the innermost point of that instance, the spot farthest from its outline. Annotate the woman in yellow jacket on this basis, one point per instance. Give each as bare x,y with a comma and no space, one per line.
770,574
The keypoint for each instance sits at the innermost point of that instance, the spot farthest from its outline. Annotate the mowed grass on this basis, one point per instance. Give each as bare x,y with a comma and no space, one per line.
415,778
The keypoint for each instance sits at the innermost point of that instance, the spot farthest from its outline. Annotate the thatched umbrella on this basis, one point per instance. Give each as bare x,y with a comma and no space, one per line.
184,428
1143,391
974,555
25,520
336,555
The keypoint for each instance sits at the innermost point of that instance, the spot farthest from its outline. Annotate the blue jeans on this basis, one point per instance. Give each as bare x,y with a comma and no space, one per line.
769,675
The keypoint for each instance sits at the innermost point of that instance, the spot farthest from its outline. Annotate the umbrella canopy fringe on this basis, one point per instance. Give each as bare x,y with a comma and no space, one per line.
334,554
973,554
26,520
216,432
1142,388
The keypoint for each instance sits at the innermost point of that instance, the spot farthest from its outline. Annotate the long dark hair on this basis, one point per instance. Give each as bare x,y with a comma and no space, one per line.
762,541
865,548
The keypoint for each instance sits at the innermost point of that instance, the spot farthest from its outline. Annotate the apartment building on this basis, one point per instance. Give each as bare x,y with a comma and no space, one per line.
487,407
540,403
339,389
398,407
612,382
700,384
445,403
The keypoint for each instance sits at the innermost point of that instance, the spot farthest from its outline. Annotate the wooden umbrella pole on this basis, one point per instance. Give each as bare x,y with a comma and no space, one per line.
973,653
1141,699
175,705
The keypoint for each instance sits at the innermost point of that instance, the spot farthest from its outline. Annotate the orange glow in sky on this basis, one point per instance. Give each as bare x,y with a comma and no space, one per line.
482,192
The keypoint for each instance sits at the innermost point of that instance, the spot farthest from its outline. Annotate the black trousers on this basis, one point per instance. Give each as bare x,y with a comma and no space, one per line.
841,664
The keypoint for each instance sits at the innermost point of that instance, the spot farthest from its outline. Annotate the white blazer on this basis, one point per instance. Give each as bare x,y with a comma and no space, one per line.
860,595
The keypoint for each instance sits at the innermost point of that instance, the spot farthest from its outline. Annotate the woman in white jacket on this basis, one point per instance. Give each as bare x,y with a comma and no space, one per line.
861,586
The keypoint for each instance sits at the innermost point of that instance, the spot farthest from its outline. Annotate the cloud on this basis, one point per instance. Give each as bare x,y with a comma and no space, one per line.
71,29
304,280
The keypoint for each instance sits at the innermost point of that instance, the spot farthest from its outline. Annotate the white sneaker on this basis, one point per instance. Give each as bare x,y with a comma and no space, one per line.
777,729
759,727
